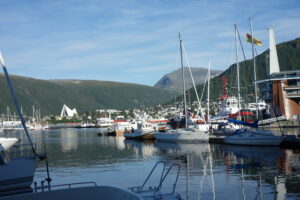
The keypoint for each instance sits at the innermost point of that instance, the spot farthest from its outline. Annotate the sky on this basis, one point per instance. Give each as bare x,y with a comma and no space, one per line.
133,41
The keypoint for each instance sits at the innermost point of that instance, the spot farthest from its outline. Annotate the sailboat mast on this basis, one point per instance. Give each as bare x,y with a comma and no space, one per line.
183,82
254,66
208,83
237,68
12,92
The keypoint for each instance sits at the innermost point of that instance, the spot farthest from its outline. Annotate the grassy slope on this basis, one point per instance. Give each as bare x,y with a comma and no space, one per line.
50,96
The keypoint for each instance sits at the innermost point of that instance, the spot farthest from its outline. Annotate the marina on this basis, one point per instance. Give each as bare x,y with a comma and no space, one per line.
208,171
103,103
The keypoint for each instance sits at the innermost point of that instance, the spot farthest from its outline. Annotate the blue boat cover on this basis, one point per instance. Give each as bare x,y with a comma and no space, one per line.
253,124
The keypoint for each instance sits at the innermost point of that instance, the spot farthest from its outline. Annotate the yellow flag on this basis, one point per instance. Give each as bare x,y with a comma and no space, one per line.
255,41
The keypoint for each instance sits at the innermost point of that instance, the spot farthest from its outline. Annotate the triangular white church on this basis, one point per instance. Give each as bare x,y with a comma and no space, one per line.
67,112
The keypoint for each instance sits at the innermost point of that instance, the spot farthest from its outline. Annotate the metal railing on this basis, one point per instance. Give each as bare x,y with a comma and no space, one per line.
48,187
155,191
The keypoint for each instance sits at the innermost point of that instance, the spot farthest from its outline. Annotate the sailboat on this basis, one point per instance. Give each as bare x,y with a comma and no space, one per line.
256,136
194,133
16,173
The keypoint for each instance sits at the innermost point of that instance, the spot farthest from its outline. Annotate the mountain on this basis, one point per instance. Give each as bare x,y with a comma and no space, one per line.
172,81
84,95
289,59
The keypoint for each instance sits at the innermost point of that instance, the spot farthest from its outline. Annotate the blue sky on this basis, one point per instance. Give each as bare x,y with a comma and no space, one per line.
134,41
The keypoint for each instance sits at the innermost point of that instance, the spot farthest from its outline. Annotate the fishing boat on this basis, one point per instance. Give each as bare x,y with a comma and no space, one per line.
144,131
189,132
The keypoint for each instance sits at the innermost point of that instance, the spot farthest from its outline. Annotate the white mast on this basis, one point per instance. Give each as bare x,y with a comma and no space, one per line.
274,64
208,82
254,67
183,82
237,69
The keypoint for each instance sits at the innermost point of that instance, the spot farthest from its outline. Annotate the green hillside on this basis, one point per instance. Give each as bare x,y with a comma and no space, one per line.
84,95
289,59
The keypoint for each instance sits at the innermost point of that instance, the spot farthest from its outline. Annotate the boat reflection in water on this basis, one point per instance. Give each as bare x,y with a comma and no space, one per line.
208,171
144,149
212,171
266,167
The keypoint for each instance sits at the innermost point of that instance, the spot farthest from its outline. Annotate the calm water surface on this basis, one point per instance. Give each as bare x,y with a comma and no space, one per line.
208,171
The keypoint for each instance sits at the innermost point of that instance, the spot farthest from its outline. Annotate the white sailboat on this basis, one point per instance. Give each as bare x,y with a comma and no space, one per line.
256,136
195,133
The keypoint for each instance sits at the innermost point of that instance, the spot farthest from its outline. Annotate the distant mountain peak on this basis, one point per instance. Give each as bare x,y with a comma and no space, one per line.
172,80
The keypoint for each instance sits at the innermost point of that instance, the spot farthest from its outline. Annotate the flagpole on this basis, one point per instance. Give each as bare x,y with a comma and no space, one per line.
254,66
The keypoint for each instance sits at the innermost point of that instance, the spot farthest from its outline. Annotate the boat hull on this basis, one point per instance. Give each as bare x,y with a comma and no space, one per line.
253,139
182,136
139,136
17,173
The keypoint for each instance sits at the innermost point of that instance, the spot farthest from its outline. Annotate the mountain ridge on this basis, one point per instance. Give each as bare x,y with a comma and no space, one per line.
172,81
84,95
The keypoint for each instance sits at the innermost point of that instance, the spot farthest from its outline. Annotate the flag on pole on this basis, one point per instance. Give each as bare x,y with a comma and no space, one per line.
255,41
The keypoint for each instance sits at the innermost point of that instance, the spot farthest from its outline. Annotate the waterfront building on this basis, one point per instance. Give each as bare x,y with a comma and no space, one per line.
282,88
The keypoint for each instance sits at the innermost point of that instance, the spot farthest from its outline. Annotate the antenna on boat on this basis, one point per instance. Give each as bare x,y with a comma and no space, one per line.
11,89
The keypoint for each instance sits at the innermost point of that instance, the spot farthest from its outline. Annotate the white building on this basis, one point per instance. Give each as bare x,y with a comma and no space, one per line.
67,112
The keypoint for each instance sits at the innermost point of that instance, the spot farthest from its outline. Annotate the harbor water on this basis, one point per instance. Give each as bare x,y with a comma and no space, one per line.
208,171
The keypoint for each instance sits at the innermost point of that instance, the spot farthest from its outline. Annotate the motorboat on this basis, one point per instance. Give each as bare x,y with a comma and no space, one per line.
254,137
7,143
144,131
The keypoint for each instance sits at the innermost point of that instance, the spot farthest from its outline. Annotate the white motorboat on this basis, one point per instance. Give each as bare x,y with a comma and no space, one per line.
6,143
253,137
